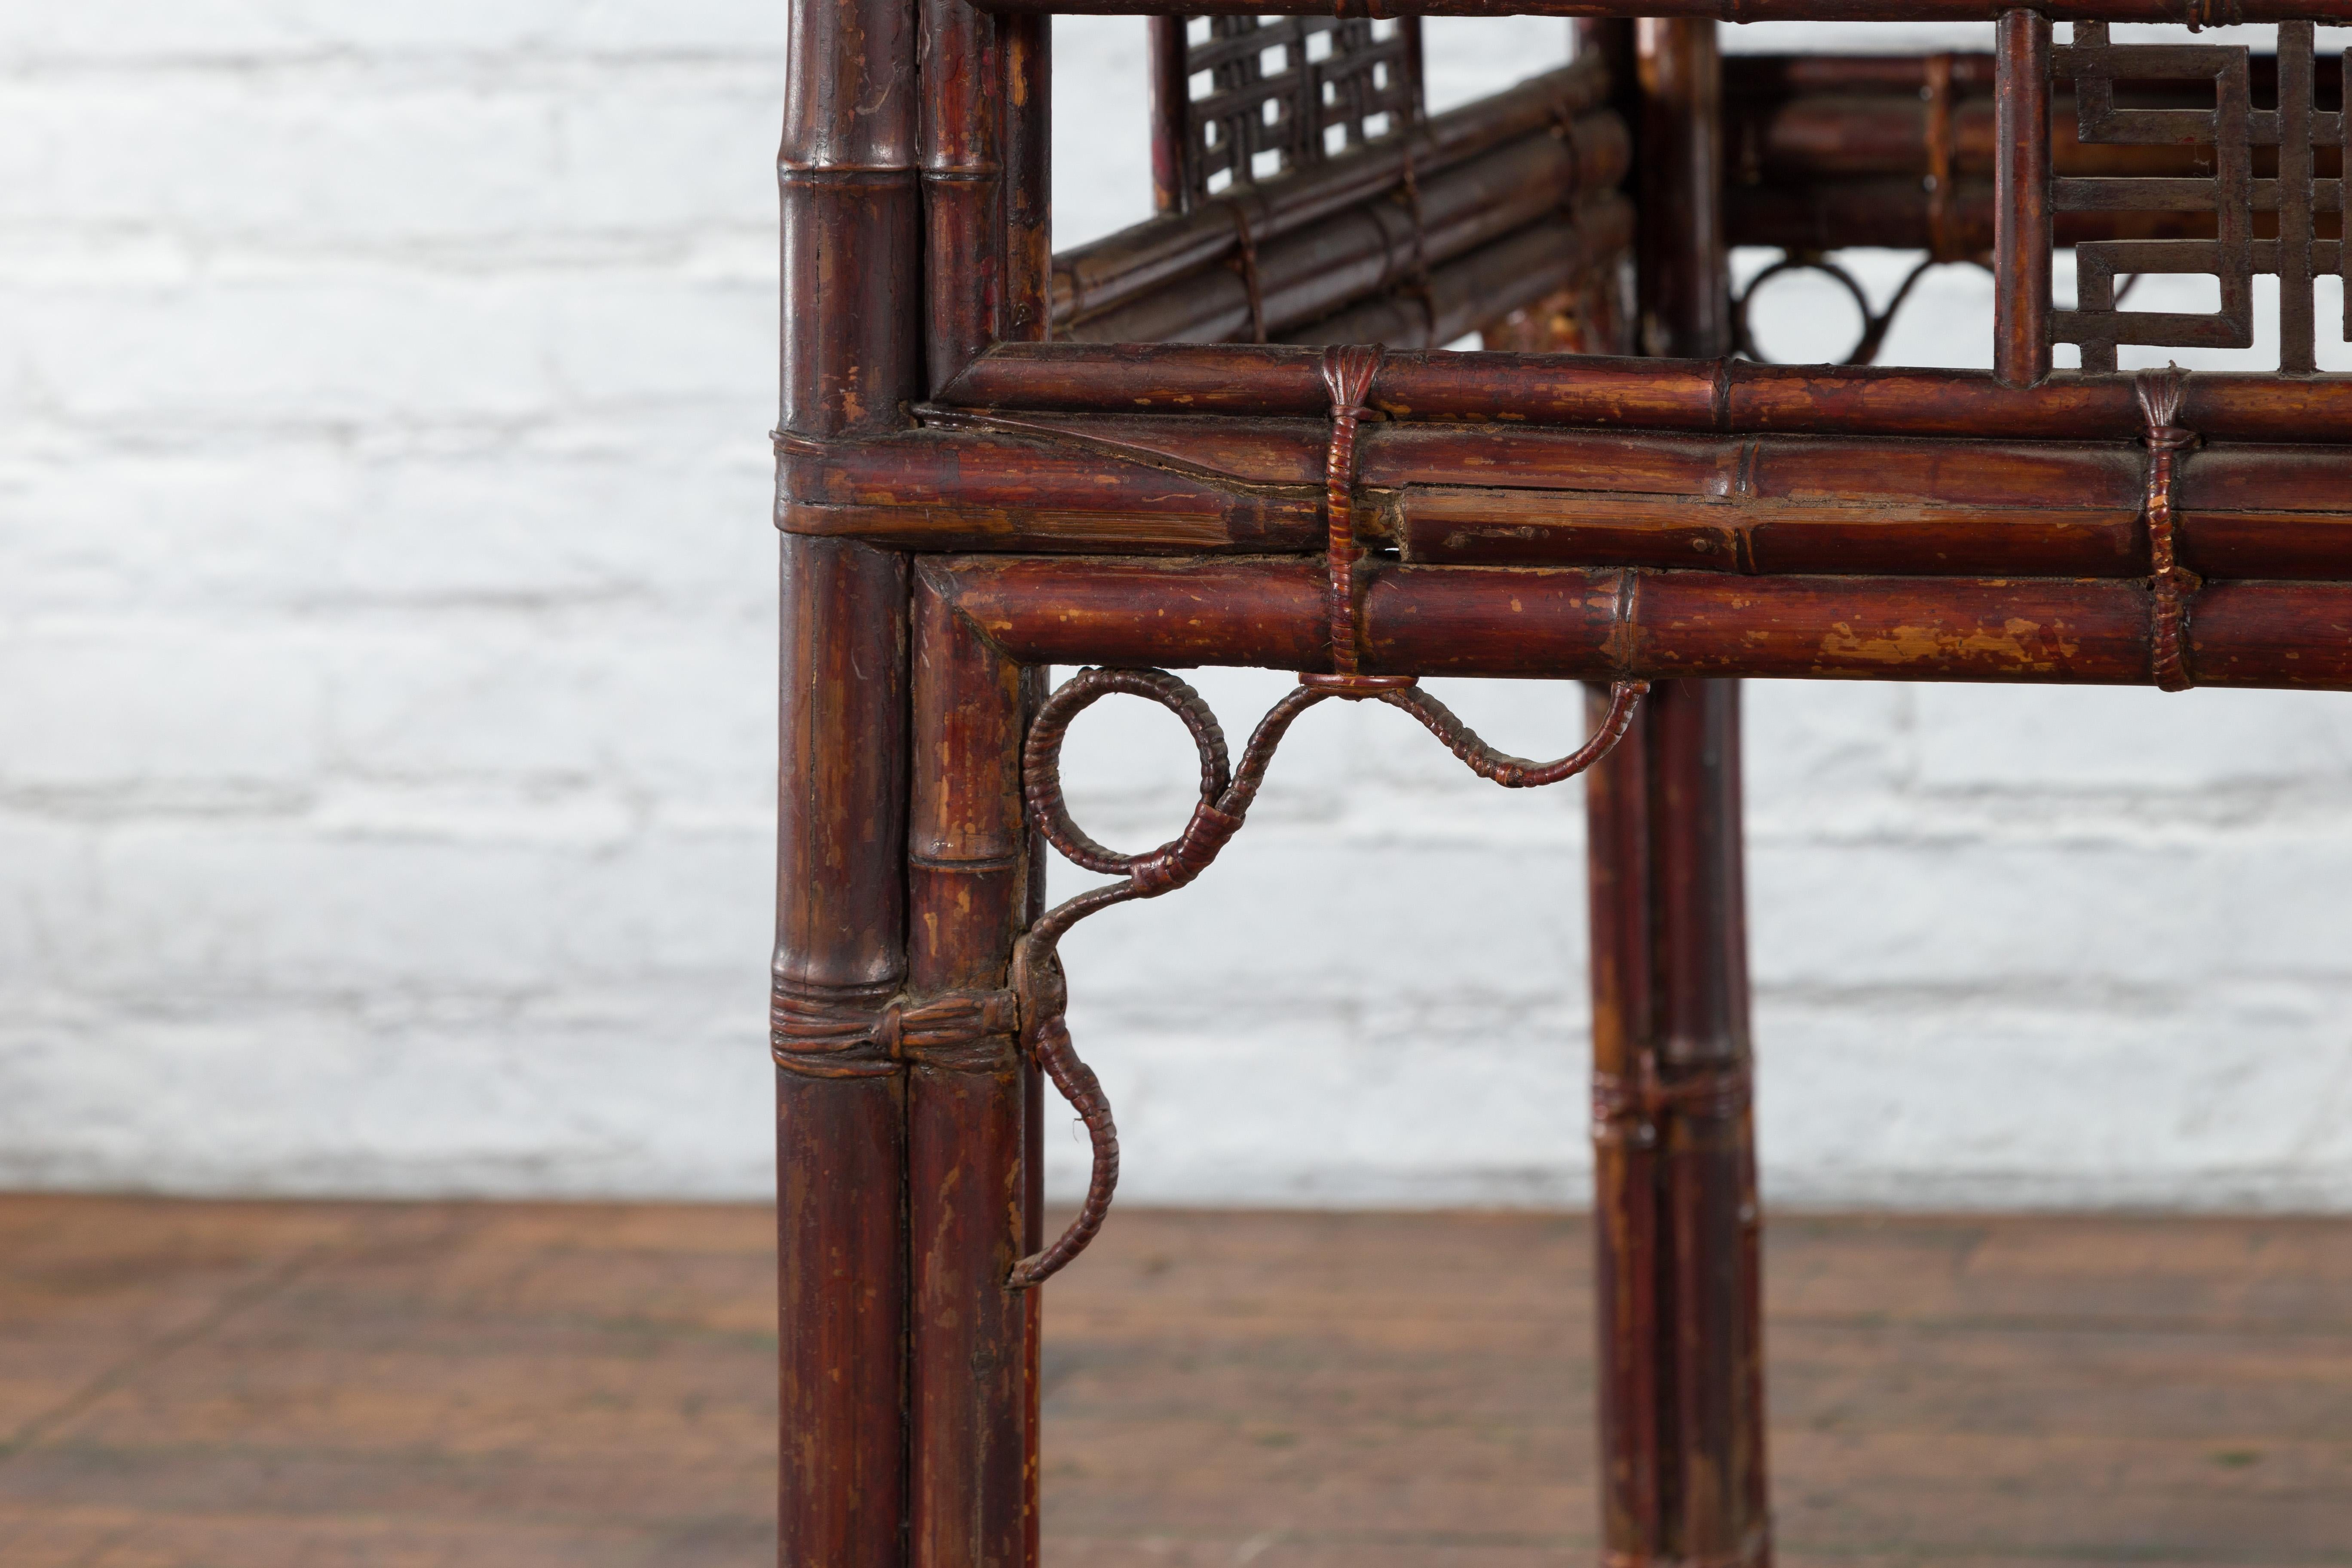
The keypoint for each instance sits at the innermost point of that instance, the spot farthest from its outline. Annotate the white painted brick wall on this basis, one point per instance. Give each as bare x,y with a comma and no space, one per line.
386,635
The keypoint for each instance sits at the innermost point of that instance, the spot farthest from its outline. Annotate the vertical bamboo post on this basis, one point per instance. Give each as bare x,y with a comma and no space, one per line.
2021,180
1029,260
973,1182
1685,278
963,85
1681,1391
1029,246
974,1481
851,356
1171,117
1028,50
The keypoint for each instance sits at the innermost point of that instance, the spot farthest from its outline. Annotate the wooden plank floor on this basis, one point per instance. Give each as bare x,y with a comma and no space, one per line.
262,1385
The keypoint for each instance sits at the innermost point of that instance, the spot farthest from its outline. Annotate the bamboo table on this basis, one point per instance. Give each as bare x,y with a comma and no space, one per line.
1230,437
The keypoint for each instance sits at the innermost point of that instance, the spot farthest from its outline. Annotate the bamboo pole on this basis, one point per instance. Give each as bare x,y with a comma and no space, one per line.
1495,280
2022,231
1092,278
971,1178
1171,117
1502,495
1576,624
971,1395
963,92
1029,68
1374,245
1727,395
852,347
1682,1427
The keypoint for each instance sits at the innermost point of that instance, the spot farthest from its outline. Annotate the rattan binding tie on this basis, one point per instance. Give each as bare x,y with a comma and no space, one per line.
2172,587
820,1033
1629,1109
1347,373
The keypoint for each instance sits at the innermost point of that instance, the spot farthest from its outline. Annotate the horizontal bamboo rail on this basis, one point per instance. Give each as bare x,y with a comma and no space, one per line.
1721,396
1381,244
1564,624
1806,118
2197,12
1831,151
1898,214
1499,494
1486,284
1092,278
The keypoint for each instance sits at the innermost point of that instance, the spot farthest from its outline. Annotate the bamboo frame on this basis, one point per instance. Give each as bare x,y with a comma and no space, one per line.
2192,13
1677,1287
850,186
1592,392
964,504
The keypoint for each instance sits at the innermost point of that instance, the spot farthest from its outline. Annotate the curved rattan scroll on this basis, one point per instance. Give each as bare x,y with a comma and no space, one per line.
1226,791
1876,324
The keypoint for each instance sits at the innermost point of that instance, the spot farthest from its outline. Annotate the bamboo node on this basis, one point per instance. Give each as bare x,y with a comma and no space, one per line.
1633,1107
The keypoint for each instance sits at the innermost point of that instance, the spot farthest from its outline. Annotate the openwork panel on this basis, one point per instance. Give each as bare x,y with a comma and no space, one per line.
1270,94
2258,127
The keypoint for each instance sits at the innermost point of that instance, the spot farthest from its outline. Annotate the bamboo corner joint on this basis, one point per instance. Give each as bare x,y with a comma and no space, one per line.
957,1029
1245,445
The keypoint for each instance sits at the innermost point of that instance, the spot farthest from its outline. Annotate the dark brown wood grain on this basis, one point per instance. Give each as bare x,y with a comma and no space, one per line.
1028,44
1171,120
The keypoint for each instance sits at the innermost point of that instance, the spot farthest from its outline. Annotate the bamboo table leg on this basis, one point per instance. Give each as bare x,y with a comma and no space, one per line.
852,273
1681,1383
973,1352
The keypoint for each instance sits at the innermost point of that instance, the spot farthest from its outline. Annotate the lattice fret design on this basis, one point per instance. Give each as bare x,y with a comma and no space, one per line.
2234,129
1288,92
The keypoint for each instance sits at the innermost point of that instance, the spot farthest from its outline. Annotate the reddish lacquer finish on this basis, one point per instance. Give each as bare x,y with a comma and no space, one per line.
1285,471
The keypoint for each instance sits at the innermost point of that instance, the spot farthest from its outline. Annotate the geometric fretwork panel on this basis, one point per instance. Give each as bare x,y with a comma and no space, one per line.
1287,92
2262,190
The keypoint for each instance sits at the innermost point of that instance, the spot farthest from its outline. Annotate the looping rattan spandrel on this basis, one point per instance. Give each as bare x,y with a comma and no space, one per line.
1244,445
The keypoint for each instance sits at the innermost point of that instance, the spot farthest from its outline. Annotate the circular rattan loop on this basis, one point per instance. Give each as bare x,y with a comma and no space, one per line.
1041,760
1875,323
1801,261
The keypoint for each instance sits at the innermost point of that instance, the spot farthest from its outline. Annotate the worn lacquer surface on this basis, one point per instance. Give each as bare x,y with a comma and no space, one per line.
1245,450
